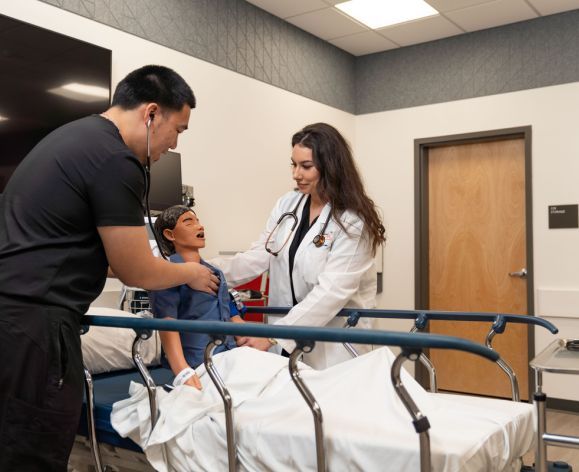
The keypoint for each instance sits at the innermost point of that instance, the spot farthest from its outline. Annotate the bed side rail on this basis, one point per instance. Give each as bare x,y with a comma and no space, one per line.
421,317
428,314
297,333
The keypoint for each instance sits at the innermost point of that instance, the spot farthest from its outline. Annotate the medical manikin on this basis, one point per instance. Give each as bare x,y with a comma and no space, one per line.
181,236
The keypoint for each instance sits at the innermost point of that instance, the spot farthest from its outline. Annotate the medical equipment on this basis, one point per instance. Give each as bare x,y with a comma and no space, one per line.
319,239
561,356
304,334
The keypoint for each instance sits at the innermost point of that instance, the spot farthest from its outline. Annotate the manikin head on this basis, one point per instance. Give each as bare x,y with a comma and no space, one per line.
180,231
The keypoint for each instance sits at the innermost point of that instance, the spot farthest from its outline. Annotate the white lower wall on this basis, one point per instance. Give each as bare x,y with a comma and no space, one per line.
385,150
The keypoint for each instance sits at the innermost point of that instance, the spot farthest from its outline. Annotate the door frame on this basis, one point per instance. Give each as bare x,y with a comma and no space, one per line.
421,228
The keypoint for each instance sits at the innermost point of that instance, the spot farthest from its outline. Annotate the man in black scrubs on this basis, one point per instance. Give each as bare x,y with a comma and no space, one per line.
71,209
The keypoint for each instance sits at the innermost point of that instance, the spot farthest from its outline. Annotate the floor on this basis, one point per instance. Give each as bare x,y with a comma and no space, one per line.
560,422
120,460
116,460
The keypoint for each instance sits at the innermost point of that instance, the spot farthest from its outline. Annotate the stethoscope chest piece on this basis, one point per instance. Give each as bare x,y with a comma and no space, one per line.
319,240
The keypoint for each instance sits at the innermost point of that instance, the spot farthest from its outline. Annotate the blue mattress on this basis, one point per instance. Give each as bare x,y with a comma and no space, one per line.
108,389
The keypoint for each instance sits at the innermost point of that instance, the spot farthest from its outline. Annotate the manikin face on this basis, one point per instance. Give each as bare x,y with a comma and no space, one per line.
188,233
165,129
304,172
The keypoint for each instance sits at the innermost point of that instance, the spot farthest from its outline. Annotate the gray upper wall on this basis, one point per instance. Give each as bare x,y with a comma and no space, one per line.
520,56
238,36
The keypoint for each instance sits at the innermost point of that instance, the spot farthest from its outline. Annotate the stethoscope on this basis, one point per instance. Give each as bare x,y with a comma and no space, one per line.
318,241
148,186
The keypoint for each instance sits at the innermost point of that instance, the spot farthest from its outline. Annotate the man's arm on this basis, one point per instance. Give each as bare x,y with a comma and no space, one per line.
131,260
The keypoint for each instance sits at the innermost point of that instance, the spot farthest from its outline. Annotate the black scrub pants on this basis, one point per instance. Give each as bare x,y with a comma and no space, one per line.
41,386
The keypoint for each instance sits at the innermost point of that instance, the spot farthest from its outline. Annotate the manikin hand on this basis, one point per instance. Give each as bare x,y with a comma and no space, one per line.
194,382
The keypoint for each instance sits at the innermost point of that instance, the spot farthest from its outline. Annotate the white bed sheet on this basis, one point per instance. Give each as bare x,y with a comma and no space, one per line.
366,426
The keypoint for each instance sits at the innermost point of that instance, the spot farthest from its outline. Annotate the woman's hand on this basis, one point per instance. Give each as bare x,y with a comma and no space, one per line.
262,344
238,319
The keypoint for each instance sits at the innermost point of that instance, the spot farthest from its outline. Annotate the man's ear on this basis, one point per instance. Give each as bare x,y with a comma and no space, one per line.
168,234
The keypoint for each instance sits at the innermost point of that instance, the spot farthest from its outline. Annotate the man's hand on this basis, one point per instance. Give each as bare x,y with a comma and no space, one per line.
194,382
203,279
262,344
131,259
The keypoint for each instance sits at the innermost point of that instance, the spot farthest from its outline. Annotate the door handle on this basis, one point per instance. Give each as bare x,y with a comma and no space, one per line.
522,274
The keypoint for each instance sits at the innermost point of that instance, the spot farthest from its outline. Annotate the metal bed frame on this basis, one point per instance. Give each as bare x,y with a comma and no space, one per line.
411,344
422,317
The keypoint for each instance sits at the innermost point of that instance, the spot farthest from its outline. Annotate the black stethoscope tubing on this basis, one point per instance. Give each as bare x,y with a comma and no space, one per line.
147,190
319,239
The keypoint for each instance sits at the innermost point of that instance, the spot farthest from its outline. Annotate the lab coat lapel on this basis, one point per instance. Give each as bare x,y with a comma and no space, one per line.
307,242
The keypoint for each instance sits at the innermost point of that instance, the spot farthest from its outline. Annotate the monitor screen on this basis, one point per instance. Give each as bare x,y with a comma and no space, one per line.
166,182
46,80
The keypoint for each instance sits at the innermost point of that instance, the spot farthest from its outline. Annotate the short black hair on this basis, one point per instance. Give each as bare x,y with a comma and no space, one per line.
152,83
168,220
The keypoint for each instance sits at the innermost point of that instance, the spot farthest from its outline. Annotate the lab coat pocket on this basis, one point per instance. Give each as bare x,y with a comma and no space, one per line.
314,263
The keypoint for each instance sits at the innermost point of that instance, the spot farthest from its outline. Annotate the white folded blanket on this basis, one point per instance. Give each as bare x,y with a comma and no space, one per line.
366,427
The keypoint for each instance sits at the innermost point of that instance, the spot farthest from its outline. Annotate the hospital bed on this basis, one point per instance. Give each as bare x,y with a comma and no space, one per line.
411,344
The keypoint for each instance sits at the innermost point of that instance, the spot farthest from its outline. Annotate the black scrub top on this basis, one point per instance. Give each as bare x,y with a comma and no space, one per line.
80,177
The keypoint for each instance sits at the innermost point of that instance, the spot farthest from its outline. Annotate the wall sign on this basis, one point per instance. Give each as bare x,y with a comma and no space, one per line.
563,216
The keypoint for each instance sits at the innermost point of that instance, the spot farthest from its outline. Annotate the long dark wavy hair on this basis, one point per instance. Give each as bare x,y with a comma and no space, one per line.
340,183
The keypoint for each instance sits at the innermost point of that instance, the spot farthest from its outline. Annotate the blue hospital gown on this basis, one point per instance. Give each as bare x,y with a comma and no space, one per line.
184,303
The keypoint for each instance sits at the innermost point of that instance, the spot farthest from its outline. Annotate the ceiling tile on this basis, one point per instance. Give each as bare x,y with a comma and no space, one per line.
327,24
448,5
420,31
363,43
548,7
285,8
489,15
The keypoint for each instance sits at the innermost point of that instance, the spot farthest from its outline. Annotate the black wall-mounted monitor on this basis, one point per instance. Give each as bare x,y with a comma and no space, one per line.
166,187
46,80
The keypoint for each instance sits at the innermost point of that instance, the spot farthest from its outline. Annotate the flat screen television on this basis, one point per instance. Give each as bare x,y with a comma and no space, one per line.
46,80
166,187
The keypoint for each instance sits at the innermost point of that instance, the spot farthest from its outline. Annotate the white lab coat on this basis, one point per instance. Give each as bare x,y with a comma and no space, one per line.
339,274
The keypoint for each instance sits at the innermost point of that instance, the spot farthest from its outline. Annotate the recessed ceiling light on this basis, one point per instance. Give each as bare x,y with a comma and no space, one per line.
380,13
81,92
3,118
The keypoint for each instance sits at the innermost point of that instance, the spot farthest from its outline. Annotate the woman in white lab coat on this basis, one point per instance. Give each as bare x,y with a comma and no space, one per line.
318,244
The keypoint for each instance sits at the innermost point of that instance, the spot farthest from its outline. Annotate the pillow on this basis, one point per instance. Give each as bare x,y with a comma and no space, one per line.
107,349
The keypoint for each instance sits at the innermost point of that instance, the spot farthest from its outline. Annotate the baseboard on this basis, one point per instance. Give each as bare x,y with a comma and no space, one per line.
562,404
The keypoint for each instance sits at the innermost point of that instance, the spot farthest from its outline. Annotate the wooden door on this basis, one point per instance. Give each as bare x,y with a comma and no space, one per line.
476,233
